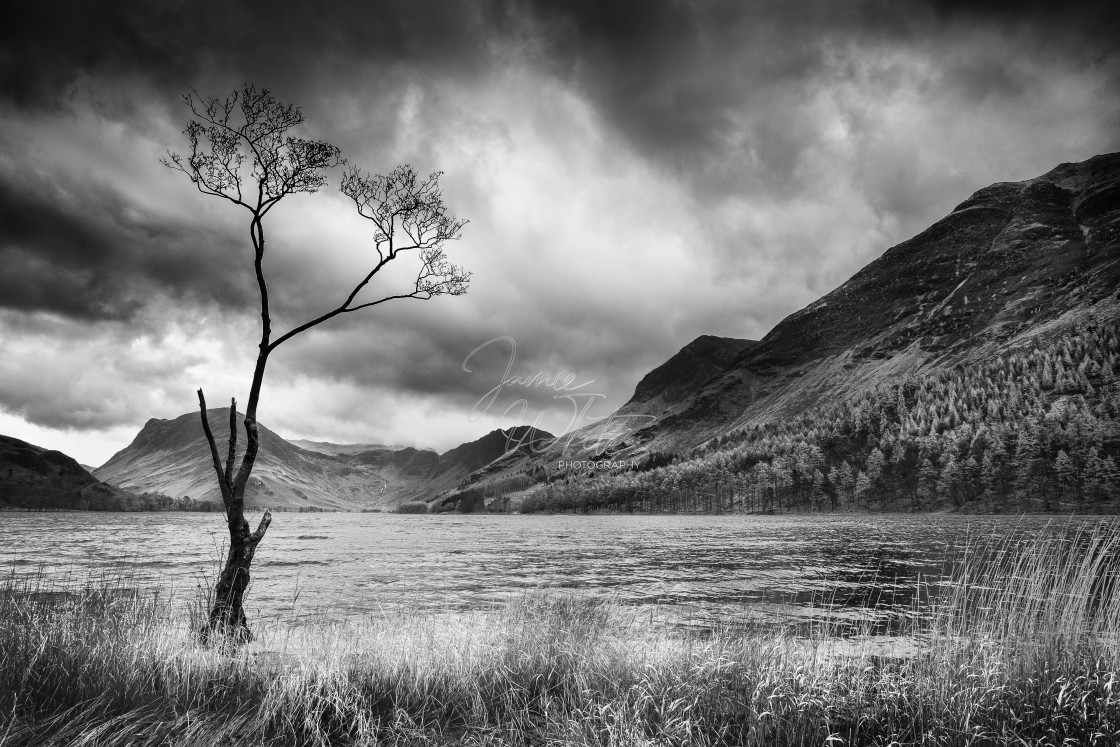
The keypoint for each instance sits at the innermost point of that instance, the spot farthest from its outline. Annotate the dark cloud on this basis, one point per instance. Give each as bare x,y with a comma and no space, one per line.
182,43
1095,22
709,89
80,249
54,261
682,79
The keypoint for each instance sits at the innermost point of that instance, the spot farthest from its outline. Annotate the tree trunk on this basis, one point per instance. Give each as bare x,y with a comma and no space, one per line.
227,619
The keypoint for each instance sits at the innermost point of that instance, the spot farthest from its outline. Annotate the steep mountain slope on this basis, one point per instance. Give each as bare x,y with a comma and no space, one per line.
1010,262
685,373
663,390
34,477
172,457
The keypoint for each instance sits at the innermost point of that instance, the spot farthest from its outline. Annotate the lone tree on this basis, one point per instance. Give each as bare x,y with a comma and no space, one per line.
243,149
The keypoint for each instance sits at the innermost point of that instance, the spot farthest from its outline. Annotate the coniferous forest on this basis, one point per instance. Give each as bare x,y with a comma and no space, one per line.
1034,429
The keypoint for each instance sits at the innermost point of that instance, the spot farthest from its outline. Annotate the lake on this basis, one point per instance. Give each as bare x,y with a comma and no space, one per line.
688,571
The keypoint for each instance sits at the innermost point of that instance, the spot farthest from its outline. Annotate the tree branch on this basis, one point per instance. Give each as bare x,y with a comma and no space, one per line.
232,441
219,148
248,460
416,205
340,309
175,162
222,483
419,295
262,527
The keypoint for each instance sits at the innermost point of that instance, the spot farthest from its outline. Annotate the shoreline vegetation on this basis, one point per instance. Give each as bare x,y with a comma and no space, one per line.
1021,646
1033,428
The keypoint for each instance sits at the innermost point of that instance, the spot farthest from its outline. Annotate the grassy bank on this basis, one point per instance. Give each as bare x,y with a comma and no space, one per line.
1024,647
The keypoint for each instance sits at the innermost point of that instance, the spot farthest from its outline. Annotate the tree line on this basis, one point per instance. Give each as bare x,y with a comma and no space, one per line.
1035,429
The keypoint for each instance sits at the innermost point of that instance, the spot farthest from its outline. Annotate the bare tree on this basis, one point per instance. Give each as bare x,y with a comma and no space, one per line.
242,149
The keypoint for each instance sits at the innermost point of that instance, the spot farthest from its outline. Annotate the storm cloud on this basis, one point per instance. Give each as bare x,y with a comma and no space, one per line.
635,174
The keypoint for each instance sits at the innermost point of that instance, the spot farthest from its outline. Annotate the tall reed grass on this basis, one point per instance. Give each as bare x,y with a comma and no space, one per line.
1021,647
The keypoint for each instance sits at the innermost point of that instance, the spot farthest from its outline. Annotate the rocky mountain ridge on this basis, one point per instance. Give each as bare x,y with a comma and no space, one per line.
171,457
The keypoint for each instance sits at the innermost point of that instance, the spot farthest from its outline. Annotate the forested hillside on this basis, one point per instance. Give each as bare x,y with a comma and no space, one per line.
1033,429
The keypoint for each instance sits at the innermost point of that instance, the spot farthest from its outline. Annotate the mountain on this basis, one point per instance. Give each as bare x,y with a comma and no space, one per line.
686,373
34,477
1012,261
664,389
326,447
172,457
1035,427
495,445
1016,265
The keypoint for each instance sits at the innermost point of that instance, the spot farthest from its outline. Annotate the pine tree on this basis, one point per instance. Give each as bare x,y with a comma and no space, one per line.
927,484
818,494
863,488
834,483
989,474
948,481
847,482
1026,457
1067,475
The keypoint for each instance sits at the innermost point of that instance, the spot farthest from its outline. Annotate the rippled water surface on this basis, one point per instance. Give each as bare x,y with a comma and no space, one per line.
687,570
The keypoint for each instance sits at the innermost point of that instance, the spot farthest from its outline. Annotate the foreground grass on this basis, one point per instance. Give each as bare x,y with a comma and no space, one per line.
1022,649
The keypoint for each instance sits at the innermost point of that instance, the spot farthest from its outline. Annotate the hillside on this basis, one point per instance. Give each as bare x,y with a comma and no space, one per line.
685,373
172,457
1006,264
34,477
1013,264
1034,429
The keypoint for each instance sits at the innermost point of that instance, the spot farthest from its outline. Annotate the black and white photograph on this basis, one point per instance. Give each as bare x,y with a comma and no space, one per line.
590,373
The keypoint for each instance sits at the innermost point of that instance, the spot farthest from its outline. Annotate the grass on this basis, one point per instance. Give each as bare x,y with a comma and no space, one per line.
1022,647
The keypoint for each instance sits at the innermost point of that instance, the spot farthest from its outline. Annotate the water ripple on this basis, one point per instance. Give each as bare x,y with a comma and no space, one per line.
694,570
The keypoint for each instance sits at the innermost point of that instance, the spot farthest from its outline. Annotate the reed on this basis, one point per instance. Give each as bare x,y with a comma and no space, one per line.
1021,647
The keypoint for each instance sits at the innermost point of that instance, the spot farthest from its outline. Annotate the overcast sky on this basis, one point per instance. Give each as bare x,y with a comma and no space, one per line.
635,174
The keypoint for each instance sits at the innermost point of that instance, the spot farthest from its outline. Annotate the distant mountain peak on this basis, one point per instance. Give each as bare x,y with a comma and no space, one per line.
493,445
172,457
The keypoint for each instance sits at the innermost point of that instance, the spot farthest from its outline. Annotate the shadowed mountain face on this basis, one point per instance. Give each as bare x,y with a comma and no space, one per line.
686,372
171,457
1013,261
34,477
494,445
660,392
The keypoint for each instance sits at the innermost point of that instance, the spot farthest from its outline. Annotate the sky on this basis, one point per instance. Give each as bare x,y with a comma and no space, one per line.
635,174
